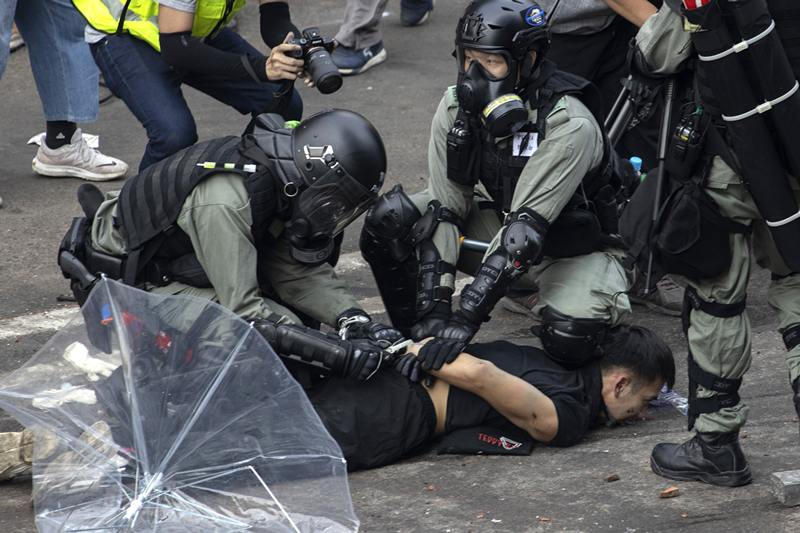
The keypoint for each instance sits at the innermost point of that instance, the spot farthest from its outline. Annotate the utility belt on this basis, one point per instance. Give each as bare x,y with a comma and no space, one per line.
82,264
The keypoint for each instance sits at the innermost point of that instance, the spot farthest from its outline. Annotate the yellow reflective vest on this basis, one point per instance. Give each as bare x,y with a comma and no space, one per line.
141,17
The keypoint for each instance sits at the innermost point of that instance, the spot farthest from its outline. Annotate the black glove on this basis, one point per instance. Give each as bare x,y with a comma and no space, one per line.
356,324
433,322
367,359
449,342
276,23
409,367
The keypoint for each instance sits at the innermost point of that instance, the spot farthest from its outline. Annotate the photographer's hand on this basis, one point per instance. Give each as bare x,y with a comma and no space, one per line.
281,66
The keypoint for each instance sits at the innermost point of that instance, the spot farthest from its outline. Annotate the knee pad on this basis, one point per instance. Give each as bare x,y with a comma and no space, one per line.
571,342
387,228
435,213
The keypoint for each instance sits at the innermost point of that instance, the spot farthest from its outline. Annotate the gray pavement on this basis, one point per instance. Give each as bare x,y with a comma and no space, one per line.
551,490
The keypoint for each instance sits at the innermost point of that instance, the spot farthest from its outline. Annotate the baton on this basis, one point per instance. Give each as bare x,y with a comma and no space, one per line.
473,245
663,135
621,113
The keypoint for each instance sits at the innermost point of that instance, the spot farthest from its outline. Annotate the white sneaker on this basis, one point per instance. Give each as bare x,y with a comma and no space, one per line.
78,160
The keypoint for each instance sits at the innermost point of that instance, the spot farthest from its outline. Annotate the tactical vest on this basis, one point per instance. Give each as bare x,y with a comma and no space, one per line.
500,169
591,217
150,202
141,17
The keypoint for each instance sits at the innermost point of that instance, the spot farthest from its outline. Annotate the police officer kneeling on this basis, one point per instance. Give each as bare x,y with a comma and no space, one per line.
531,136
250,223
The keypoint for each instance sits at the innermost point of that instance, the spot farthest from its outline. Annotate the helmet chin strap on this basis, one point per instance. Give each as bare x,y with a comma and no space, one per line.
527,67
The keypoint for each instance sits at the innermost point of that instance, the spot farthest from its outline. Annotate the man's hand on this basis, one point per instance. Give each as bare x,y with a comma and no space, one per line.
281,66
374,331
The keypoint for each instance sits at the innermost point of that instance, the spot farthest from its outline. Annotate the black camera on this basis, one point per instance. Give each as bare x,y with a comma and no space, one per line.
315,51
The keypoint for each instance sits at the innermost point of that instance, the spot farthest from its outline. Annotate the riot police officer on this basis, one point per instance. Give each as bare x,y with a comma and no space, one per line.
749,112
531,136
248,222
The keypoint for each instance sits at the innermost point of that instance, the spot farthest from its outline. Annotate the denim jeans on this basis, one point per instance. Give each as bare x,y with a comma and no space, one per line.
66,76
135,72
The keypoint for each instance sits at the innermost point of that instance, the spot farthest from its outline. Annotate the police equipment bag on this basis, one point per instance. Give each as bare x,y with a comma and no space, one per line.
689,235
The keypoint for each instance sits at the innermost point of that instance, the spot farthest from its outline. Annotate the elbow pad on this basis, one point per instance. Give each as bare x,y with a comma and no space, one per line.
276,23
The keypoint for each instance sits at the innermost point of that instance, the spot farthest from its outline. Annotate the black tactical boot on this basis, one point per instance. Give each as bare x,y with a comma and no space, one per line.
714,458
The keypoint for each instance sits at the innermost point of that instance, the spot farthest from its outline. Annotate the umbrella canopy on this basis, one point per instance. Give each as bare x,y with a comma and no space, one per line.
171,414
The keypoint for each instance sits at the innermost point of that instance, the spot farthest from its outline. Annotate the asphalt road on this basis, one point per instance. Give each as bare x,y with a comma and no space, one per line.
551,490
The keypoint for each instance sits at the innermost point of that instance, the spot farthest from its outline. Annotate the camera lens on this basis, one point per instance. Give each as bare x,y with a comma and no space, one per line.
323,71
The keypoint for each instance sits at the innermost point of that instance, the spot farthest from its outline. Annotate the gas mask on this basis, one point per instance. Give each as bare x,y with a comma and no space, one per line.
501,110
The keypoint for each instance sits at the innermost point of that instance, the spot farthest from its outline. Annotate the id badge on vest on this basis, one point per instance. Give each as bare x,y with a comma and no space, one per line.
525,143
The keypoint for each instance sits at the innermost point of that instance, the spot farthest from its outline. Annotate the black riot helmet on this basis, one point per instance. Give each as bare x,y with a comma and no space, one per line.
510,28
342,161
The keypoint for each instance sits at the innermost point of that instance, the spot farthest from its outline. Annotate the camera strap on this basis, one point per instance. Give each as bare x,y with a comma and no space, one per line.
280,99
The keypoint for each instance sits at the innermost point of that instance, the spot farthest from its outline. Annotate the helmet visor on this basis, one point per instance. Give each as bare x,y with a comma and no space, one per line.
333,202
495,64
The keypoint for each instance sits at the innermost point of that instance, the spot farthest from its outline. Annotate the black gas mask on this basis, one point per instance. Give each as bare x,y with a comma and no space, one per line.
493,99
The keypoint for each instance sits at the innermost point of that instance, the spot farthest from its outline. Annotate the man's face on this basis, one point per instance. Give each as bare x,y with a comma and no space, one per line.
495,64
625,403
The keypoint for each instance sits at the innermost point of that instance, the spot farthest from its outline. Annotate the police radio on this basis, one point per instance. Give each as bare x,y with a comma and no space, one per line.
461,153
686,145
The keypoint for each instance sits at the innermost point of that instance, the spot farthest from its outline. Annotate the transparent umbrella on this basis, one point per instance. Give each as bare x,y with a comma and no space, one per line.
169,413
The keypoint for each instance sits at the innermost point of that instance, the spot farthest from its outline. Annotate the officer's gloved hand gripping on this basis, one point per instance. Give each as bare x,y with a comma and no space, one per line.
520,244
357,324
450,341
433,322
353,358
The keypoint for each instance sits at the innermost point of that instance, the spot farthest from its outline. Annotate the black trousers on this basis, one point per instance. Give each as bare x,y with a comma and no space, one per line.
378,421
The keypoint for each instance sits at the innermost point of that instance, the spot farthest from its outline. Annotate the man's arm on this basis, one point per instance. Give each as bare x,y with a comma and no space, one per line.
664,43
521,403
181,50
276,23
635,11
216,216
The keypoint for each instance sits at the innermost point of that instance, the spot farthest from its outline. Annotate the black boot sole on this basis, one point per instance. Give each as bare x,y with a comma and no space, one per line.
724,479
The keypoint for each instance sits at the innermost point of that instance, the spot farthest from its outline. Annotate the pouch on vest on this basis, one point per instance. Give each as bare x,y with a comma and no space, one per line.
690,237
575,232
484,440
635,227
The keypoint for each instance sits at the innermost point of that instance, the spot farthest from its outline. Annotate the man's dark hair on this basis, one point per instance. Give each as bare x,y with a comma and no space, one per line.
639,350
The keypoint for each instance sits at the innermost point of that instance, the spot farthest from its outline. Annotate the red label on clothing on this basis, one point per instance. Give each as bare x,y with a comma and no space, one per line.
694,4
